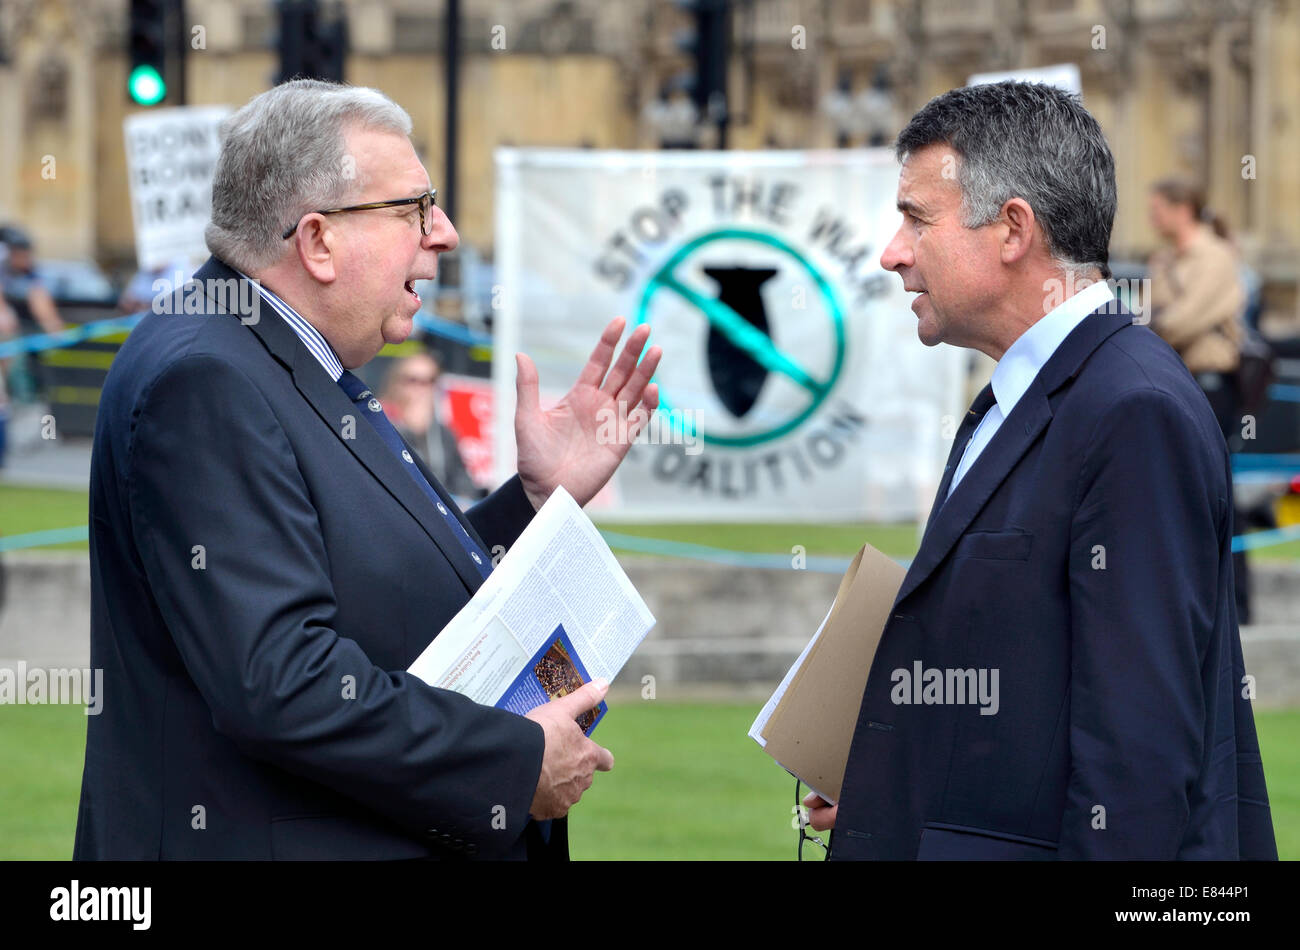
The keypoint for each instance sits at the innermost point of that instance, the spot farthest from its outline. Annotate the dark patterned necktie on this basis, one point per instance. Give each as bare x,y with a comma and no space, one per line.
373,412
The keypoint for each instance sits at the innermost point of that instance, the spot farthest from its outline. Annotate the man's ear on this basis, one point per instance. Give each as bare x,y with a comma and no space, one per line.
1018,219
315,243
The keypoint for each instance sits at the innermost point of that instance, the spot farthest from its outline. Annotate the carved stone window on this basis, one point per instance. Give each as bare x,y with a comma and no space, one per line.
48,90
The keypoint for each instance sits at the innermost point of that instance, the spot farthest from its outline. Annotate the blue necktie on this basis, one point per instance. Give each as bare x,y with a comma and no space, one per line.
373,411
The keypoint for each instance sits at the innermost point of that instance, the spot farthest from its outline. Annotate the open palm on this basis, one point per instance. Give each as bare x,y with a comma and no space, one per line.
580,441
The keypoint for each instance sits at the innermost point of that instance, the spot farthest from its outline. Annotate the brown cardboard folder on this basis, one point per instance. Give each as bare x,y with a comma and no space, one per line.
811,728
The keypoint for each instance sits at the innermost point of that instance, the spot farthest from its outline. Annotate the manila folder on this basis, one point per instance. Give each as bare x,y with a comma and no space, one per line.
811,729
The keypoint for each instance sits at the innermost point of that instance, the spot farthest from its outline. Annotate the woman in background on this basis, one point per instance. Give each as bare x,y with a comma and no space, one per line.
410,401
1197,299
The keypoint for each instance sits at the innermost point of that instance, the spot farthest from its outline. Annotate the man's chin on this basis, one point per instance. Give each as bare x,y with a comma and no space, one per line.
928,333
398,329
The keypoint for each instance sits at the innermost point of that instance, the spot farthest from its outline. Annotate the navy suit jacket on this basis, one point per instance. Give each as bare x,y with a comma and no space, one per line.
263,572
1085,557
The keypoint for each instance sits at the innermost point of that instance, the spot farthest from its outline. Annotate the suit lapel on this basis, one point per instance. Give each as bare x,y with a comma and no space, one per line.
1020,430
332,405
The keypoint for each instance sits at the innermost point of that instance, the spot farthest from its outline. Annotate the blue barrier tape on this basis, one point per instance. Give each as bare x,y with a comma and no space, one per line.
1285,464
700,552
1264,539
682,549
37,342
68,337
40,539
459,333
448,330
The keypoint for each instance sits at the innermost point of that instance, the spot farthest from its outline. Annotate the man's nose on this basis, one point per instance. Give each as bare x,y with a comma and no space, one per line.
897,252
442,235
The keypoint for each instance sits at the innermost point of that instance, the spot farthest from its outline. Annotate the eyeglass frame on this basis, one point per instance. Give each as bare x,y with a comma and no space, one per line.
431,194
801,811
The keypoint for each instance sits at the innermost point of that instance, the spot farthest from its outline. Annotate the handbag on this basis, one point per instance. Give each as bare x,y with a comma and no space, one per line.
1255,373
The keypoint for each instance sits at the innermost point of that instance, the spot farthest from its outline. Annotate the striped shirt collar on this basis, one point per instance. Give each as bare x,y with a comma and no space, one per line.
309,335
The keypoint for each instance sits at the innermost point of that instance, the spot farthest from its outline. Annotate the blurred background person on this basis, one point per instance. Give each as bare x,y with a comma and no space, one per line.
150,284
1197,292
410,399
32,305
1197,303
23,289
8,330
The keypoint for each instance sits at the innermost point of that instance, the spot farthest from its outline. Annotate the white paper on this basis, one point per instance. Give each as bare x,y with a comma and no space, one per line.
560,572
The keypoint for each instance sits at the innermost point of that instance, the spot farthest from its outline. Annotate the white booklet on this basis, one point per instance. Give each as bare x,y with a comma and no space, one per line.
557,612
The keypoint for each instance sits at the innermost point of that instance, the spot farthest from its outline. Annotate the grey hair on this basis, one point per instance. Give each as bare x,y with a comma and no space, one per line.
282,155
1030,141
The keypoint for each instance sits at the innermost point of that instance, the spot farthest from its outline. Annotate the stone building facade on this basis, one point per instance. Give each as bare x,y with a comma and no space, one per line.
1206,87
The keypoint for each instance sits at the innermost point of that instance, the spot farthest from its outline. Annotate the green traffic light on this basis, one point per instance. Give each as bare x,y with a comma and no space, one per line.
146,86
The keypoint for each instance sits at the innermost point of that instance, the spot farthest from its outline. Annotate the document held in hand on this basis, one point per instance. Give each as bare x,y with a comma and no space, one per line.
557,612
807,725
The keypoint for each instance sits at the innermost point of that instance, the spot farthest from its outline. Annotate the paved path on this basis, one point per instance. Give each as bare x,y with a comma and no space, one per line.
33,460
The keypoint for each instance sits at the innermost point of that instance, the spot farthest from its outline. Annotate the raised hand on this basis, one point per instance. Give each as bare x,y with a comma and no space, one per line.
580,441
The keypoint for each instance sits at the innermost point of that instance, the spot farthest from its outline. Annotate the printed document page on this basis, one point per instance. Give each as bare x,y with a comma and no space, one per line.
558,608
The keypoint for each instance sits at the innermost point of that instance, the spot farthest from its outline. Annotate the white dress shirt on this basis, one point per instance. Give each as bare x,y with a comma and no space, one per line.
1021,363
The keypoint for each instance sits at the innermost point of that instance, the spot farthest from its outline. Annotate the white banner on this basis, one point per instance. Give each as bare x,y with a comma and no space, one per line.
170,157
793,386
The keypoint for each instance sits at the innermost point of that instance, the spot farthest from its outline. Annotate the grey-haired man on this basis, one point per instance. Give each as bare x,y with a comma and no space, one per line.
268,557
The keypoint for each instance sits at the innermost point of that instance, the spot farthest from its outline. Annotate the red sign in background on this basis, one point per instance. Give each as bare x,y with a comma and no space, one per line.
467,408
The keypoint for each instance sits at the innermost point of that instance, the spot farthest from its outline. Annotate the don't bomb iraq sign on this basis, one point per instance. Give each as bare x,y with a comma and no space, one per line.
793,386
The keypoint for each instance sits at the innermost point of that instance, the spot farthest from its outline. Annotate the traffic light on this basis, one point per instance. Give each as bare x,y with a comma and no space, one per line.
312,46
710,46
146,82
156,47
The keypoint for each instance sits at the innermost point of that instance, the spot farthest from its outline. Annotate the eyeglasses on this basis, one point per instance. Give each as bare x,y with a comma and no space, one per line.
424,202
802,812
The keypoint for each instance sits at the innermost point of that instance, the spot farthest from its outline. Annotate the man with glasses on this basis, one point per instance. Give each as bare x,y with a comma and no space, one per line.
268,555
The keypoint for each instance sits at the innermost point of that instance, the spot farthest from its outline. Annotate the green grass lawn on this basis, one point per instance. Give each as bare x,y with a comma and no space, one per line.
687,784
824,540
26,509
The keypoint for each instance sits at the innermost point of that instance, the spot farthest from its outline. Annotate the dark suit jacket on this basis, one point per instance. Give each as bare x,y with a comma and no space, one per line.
260,583
1085,556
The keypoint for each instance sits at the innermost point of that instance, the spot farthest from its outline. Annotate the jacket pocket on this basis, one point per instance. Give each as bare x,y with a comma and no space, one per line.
945,842
995,545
